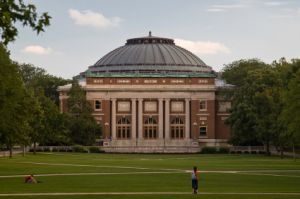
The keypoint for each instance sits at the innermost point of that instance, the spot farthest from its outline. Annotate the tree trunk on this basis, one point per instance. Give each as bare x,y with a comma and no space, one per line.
23,154
268,148
10,151
34,148
281,151
294,153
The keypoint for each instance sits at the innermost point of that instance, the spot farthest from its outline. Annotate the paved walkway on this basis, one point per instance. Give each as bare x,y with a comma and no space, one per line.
144,193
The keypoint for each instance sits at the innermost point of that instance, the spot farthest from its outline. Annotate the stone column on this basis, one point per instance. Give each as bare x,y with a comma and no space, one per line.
133,119
113,119
167,118
160,119
187,118
140,118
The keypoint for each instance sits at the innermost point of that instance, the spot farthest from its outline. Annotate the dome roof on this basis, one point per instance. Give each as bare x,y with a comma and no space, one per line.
150,55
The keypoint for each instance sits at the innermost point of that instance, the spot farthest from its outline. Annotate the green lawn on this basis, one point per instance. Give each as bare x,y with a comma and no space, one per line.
91,173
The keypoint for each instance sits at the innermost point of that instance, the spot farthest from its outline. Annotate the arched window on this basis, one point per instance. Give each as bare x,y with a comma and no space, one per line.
150,128
123,128
177,128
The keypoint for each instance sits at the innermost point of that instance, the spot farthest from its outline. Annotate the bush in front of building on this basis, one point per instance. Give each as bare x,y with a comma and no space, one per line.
95,149
208,150
79,149
223,150
214,150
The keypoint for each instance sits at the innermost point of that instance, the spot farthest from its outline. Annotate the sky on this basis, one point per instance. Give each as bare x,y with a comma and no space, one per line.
217,31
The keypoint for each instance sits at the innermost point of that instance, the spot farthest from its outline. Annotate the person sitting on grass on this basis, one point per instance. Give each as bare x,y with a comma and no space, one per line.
195,180
30,179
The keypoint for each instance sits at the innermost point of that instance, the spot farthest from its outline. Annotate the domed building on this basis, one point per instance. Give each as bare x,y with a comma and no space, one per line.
151,95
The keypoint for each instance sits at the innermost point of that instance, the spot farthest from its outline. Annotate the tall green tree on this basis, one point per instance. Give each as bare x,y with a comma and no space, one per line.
14,103
12,11
50,127
290,114
83,127
256,103
56,125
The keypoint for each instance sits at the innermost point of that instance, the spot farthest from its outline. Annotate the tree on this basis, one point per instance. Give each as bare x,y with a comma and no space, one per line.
256,104
290,114
38,79
242,118
49,127
12,11
14,103
56,125
83,127
235,72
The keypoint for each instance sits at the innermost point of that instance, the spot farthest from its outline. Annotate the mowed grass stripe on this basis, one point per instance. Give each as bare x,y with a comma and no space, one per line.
142,193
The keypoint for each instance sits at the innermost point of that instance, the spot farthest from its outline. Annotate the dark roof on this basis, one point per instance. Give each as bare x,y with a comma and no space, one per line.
150,51
150,55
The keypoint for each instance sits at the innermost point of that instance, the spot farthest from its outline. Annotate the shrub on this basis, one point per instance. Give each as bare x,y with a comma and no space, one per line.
253,152
95,149
79,148
54,150
209,150
223,150
246,152
69,150
47,149
261,152
62,150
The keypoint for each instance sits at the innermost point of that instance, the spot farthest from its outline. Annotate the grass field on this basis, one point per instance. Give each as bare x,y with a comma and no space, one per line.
149,176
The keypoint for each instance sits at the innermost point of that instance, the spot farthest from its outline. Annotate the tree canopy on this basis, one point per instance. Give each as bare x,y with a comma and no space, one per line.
12,11
260,112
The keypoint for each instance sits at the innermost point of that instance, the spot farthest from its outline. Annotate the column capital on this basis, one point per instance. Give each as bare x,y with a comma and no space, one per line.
167,99
140,99
113,99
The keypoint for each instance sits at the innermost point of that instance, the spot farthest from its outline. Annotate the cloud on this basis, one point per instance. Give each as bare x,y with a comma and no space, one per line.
224,8
203,47
215,10
94,19
281,16
36,49
273,3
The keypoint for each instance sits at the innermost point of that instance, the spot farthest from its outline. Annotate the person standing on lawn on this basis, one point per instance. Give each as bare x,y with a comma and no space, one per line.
195,180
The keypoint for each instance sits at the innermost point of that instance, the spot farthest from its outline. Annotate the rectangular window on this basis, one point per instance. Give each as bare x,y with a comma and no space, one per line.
97,105
202,105
202,131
